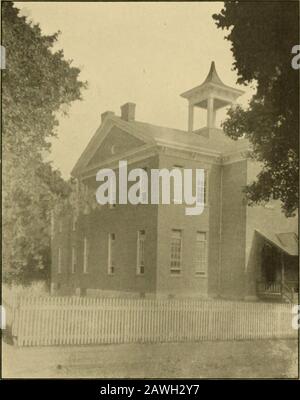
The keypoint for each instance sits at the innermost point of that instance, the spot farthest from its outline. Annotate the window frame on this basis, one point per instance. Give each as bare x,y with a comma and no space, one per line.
141,234
73,260
85,255
111,267
176,271
206,173
202,273
59,260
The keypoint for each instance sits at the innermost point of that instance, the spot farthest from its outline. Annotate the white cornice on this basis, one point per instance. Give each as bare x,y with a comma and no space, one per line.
235,155
189,148
150,148
139,154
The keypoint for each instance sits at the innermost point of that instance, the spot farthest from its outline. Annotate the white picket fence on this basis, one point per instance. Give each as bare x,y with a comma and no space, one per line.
75,320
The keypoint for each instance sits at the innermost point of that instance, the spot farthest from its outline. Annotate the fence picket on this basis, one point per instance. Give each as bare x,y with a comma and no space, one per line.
73,320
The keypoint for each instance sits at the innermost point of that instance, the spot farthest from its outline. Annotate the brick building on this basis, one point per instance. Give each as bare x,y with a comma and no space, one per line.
231,250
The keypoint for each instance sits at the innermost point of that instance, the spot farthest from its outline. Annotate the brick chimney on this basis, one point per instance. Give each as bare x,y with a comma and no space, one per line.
106,114
128,112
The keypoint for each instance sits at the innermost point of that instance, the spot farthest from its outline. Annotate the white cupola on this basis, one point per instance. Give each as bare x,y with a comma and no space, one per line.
211,95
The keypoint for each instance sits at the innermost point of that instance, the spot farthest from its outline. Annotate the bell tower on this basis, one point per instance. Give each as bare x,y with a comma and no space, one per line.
211,95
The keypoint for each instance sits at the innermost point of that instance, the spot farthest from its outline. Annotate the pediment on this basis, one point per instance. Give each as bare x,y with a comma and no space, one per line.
113,139
116,143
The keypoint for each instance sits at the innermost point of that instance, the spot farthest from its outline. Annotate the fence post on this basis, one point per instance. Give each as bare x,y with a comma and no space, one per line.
58,321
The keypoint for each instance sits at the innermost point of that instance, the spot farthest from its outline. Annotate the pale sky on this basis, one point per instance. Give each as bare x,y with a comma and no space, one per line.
146,53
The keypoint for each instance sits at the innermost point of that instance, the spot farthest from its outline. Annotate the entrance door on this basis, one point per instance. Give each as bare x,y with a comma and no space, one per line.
270,264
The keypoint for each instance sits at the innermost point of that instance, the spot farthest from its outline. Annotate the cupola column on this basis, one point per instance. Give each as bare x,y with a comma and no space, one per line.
211,113
191,118
210,96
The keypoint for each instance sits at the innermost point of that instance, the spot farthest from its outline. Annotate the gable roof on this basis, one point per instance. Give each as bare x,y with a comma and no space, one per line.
216,143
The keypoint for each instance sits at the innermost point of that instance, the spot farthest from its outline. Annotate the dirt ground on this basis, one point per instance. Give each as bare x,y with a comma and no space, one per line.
231,359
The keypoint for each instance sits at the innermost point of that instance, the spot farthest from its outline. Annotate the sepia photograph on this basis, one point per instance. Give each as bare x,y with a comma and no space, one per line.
150,192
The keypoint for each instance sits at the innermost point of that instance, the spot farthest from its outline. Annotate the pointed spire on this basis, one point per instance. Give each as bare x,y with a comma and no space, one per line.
211,95
213,76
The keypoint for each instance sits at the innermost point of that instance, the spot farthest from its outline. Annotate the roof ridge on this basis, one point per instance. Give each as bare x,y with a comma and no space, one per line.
176,130
161,126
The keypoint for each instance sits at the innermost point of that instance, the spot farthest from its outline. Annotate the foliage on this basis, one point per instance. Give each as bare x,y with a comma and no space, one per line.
38,85
262,35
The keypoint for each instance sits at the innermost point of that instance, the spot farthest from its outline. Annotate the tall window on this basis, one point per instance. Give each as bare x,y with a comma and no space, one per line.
201,254
59,260
203,186
74,261
141,252
85,255
178,186
111,253
176,252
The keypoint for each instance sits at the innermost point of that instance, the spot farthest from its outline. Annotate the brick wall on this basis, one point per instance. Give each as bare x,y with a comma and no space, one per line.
173,217
234,178
124,221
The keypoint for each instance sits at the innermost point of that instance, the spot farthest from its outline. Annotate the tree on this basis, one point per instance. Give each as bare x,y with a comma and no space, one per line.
38,85
262,35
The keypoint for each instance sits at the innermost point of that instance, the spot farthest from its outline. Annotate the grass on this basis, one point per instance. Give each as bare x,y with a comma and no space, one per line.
211,359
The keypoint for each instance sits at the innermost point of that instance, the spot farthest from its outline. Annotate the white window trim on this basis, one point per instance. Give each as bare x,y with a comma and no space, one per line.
206,188
176,271
204,273
138,265
85,255
109,258
59,261
73,260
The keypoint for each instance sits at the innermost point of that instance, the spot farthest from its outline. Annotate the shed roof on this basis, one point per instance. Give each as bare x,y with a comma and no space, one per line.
285,241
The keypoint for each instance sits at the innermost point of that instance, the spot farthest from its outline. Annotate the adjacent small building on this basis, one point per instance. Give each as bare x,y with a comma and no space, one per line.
230,251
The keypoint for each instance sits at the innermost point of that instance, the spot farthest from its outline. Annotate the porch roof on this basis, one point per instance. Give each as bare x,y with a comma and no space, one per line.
286,241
